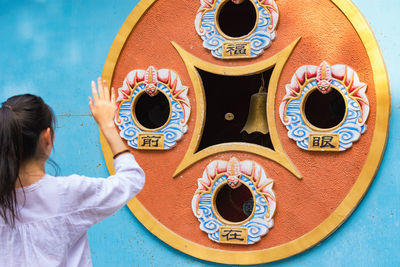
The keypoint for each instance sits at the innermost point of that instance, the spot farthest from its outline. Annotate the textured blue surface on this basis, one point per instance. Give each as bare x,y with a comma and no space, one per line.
54,48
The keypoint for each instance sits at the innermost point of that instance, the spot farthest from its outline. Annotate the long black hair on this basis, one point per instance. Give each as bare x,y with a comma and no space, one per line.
22,120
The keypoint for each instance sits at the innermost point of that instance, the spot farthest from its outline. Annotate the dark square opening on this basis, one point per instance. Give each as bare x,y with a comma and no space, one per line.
227,108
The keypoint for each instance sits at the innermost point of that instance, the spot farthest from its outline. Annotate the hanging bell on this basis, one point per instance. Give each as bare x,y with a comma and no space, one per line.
257,119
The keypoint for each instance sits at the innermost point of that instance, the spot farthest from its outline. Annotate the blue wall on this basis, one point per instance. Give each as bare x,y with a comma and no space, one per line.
54,48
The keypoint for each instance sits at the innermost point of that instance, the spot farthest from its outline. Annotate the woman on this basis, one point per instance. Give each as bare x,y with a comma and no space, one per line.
44,219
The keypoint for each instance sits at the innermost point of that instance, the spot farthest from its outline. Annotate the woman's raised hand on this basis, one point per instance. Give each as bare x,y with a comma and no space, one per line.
102,105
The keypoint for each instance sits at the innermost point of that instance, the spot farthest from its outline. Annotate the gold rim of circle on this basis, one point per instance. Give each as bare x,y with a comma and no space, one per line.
336,218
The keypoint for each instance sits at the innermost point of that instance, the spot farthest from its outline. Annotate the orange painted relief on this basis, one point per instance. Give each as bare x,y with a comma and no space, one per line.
327,177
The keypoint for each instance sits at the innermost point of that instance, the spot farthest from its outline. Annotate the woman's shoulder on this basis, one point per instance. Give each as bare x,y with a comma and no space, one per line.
73,192
73,183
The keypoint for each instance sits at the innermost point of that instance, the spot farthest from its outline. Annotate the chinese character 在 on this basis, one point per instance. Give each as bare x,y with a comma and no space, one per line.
231,234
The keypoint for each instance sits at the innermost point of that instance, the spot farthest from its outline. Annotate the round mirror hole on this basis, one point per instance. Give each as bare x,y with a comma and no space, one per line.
237,20
325,110
234,205
152,112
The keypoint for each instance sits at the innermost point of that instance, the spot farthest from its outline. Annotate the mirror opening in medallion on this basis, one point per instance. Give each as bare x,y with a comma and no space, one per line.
152,112
234,205
237,20
325,111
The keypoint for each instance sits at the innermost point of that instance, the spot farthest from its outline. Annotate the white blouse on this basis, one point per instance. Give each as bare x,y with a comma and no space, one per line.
56,212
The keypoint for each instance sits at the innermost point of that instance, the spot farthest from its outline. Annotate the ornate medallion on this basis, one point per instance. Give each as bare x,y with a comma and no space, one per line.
318,82
259,208
249,45
161,122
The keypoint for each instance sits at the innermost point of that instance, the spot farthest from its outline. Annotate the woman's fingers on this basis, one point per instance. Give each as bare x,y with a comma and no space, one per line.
100,87
91,105
113,96
94,91
102,104
106,91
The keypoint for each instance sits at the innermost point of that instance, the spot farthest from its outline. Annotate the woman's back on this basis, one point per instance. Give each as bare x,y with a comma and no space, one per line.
56,212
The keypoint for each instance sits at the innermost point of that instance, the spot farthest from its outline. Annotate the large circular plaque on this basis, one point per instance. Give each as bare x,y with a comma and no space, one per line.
316,186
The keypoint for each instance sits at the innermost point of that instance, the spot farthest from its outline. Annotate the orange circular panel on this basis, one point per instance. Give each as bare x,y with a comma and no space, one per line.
315,190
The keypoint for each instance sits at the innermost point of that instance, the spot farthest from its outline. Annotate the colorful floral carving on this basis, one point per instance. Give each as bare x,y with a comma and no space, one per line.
260,39
252,175
324,77
153,81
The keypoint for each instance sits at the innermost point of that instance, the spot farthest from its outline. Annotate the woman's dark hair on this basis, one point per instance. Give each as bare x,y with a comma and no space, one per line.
22,120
